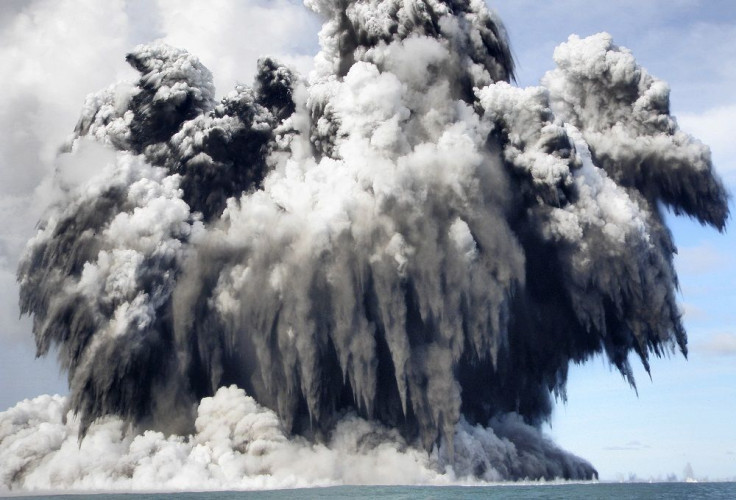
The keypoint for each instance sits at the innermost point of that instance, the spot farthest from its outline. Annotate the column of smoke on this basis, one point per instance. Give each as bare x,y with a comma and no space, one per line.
398,259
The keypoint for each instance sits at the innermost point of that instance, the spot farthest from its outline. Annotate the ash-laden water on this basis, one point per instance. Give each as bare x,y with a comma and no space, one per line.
397,259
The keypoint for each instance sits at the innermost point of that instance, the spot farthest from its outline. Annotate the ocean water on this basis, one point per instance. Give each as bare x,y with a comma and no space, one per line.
566,491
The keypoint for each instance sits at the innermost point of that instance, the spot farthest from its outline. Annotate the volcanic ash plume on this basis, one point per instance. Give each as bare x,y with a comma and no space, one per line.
394,262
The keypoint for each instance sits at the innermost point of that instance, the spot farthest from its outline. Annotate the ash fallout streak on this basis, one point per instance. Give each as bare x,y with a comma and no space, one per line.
405,238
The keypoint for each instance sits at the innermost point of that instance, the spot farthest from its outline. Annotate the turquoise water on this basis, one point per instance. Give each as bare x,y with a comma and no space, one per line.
618,491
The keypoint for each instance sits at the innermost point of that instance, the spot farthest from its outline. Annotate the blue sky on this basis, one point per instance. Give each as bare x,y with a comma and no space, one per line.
684,414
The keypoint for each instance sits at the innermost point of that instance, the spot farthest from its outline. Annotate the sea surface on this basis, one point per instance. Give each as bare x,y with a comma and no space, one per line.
567,491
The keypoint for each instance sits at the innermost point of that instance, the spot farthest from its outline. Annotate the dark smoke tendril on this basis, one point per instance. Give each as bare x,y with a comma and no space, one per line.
407,236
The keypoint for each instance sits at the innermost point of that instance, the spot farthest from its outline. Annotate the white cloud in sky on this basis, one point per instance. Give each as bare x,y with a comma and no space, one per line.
716,127
692,312
630,446
702,258
229,37
720,344
53,54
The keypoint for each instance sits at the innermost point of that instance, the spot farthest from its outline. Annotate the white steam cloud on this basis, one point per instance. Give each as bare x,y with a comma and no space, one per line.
238,444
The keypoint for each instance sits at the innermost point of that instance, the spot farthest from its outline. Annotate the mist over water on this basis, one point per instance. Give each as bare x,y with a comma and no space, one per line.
378,273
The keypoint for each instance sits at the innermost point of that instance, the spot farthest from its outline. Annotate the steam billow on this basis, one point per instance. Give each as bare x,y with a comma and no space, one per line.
380,274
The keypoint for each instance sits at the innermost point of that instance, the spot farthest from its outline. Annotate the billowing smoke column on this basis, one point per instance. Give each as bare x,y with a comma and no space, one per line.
406,242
